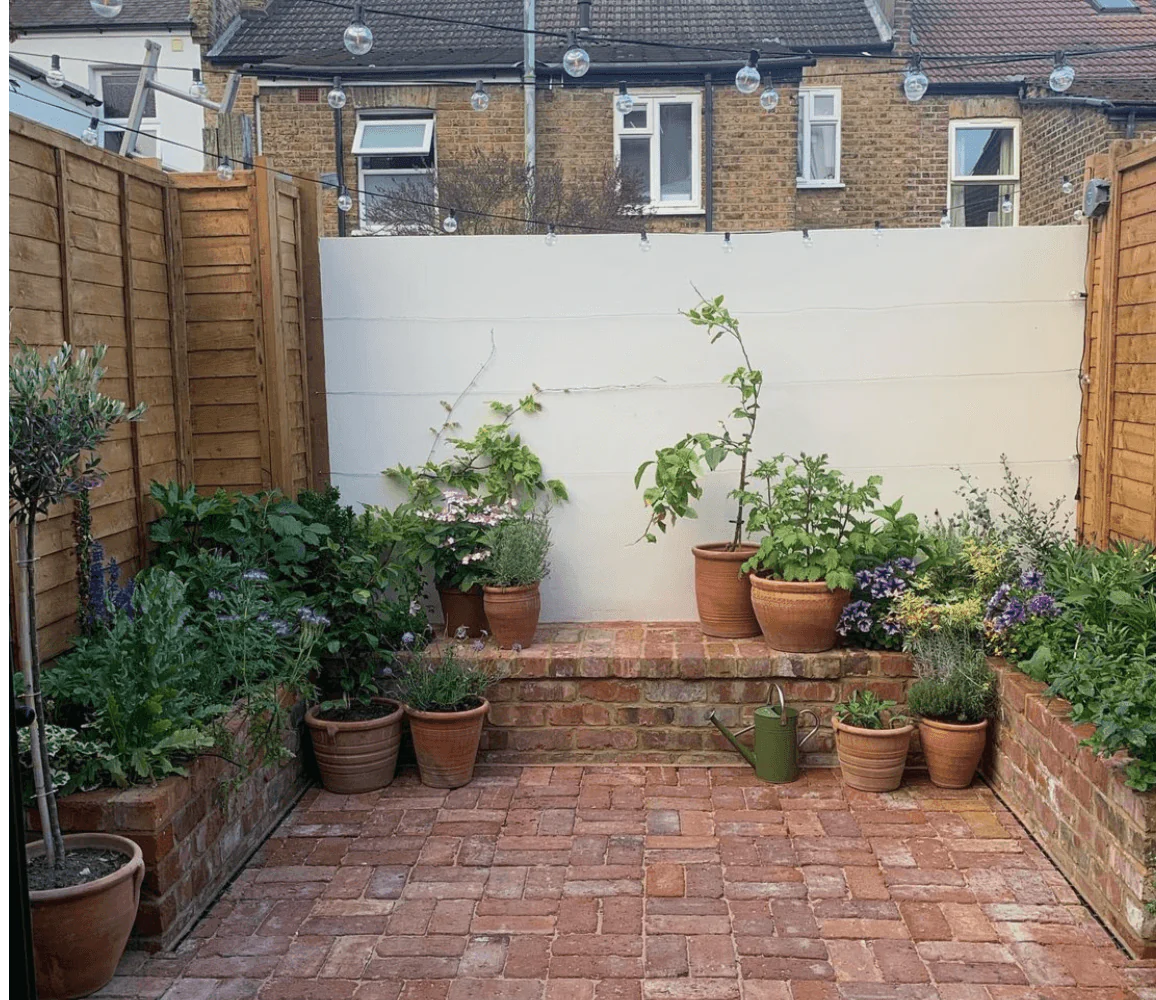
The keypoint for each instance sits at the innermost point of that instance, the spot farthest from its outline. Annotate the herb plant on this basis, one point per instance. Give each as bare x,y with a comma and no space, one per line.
955,683
442,681
519,551
867,710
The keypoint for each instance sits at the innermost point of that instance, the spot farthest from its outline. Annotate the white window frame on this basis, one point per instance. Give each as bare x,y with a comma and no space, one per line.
807,118
148,126
957,125
653,101
424,149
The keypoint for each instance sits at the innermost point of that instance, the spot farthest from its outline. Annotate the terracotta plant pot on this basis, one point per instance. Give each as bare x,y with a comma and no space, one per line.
723,591
446,744
513,614
358,756
797,617
463,608
872,760
79,933
952,750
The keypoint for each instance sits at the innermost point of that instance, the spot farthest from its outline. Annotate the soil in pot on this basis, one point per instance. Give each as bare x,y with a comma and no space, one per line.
356,746
952,750
872,760
463,609
79,932
446,744
76,868
797,617
513,614
723,592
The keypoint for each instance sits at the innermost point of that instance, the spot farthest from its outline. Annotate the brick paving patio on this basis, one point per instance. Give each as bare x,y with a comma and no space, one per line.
657,883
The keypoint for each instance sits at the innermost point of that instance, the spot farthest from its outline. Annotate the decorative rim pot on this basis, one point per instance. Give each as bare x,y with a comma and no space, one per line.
723,590
358,755
795,616
872,760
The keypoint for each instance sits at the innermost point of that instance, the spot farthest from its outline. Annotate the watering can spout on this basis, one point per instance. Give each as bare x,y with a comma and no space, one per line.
734,740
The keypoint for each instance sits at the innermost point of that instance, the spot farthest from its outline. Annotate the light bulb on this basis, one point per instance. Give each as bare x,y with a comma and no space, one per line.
336,97
198,88
358,38
479,99
89,136
747,79
106,8
1078,215
644,243
225,169
807,241
1062,76
450,222
55,76
878,232
1076,295
728,245
551,235
623,103
1066,185
1006,205
576,61
945,220
344,202
915,84
769,99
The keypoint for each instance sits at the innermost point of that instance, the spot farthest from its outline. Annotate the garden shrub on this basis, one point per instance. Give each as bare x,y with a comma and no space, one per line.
444,682
519,551
955,682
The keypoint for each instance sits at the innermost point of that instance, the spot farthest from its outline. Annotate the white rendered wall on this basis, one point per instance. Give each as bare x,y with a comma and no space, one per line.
902,356
84,55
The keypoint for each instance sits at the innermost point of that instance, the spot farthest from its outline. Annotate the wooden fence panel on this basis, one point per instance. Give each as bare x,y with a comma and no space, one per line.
1118,445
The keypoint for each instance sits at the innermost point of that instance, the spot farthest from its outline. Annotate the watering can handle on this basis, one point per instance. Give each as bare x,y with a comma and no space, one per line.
782,704
807,711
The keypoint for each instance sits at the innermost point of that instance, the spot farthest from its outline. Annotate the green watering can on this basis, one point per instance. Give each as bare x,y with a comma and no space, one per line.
776,753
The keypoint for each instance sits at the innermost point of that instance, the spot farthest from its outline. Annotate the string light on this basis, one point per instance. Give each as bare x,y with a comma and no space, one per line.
644,243
89,136
450,222
358,38
551,235
344,201
1062,75
576,61
807,241
878,232
225,169
728,245
107,9
55,76
945,220
769,99
1006,206
623,103
748,78
1066,185
915,82
198,88
479,99
336,96
1078,215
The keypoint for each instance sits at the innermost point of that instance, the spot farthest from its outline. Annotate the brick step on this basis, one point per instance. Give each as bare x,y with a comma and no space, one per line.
640,692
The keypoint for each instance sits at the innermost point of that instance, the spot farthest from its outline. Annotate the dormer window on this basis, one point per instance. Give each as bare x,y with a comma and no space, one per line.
1111,6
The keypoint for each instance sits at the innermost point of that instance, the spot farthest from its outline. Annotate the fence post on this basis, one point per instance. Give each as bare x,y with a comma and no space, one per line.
314,332
178,336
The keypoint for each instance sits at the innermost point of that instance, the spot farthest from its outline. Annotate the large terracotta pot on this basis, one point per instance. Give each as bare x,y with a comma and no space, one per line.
797,617
359,756
723,591
79,933
872,760
446,744
513,614
952,750
463,608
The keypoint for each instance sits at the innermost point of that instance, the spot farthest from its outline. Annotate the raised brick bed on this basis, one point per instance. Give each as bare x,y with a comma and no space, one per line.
195,833
637,692
1098,831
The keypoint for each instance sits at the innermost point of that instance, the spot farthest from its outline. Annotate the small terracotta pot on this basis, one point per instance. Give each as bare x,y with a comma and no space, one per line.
359,756
79,933
513,614
723,590
463,608
872,760
797,617
952,750
446,744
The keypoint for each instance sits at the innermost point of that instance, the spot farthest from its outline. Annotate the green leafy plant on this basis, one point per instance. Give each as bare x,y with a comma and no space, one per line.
519,551
955,682
867,710
676,469
57,418
817,524
441,681
77,764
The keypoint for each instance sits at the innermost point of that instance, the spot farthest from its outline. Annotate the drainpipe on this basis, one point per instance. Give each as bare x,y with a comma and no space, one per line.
529,58
339,147
708,125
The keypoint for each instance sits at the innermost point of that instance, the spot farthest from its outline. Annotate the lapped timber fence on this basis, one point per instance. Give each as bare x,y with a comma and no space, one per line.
207,295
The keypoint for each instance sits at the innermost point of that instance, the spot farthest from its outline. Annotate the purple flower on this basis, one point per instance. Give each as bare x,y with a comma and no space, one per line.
892,627
282,629
905,565
1032,579
997,600
865,625
215,595
1044,605
407,639
255,574
855,617
477,645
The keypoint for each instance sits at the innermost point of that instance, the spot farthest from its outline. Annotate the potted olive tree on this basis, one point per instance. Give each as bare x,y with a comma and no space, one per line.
721,585
85,887
872,740
516,565
954,697
817,526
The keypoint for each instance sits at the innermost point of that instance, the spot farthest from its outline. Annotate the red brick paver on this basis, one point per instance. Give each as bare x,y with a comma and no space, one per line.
645,883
